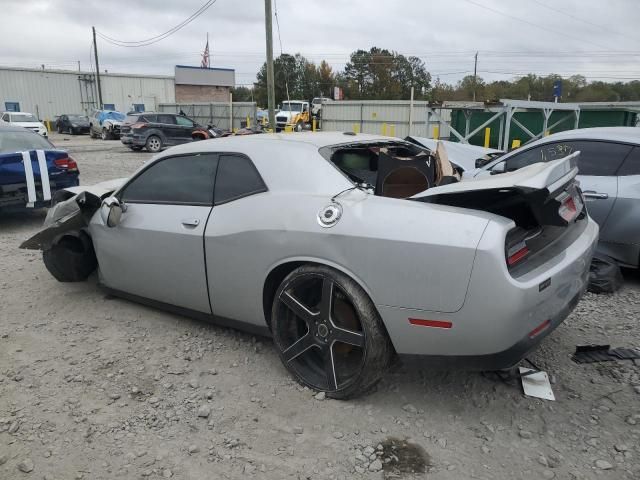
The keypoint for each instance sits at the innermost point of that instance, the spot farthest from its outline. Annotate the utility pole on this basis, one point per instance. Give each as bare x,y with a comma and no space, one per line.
95,52
475,75
271,93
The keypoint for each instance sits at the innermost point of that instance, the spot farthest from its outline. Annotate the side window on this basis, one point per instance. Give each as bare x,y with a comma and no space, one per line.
150,118
184,122
600,158
184,180
237,177
167,119
528,157
631,165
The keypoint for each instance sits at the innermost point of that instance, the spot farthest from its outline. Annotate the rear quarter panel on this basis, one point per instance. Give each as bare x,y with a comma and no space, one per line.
403,253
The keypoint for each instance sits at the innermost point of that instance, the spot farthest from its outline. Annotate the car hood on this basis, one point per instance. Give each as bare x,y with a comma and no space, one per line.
27,124
99,189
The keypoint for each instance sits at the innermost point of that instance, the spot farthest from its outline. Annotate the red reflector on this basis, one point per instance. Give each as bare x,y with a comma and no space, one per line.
519,255
539,328
430,323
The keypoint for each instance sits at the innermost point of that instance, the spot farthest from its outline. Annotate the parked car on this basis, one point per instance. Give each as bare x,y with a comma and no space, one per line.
74,124
155,131
24,155
26,120
105,124
609,175
269,233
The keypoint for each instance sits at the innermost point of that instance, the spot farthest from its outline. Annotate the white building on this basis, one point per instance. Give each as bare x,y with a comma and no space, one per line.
47,93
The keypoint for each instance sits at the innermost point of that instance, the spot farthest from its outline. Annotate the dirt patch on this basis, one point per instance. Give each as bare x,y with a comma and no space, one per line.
400,457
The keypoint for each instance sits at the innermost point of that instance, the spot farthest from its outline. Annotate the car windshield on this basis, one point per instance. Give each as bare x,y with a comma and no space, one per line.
114,115
23,117
78,118
11,141
291,107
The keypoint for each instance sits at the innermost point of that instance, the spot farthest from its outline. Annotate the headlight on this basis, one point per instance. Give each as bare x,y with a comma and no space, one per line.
74,125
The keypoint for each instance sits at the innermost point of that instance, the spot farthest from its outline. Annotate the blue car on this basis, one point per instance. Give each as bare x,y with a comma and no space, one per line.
24,155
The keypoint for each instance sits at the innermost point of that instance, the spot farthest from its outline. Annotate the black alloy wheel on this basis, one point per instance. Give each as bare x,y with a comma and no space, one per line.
328,332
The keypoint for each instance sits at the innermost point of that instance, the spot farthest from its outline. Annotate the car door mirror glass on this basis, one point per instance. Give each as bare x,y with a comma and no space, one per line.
111,211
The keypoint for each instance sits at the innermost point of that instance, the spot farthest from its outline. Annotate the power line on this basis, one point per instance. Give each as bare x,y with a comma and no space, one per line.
587,22
162,36
558,32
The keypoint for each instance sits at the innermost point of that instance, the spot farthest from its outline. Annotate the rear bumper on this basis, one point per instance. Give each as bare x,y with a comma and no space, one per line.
496,326
15,195
132,139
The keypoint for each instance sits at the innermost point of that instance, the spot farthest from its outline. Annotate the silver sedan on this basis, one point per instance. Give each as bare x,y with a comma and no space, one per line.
304,237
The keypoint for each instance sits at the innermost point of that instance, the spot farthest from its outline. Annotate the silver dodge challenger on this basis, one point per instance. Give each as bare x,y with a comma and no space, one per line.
349,250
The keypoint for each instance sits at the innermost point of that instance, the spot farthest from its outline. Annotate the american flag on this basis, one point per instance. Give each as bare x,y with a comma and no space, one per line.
205,56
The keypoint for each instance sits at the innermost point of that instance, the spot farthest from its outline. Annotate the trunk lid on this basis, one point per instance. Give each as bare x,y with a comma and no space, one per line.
543,200
12,168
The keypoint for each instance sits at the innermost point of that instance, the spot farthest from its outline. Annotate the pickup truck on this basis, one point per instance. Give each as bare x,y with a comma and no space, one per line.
24,156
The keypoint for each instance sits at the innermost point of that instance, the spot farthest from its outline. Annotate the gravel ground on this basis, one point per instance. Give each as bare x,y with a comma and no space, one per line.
94,387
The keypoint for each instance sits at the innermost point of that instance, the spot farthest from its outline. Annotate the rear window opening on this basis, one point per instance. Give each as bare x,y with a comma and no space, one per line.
395,170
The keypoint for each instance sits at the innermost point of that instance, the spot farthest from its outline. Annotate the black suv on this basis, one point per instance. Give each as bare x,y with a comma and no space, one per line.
154,131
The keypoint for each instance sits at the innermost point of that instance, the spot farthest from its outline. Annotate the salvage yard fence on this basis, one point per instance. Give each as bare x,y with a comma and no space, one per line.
224,115
396,118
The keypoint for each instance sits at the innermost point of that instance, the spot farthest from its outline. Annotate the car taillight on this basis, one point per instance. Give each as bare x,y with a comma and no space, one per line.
516,253
67,163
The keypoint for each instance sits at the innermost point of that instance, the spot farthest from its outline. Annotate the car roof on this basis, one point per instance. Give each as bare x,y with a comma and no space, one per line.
25,113
619,134
315,139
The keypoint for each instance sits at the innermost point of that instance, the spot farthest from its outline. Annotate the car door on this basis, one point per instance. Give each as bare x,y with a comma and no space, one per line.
166,122
186,127
233,251
597,166
156,251
623,224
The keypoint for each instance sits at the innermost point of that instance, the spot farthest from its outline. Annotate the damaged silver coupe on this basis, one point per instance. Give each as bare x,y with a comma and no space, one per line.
348,250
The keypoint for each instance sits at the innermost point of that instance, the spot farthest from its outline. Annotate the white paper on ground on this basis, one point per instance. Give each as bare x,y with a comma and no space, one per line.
536,384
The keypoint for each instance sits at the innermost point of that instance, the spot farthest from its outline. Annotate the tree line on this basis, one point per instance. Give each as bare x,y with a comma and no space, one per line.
380,74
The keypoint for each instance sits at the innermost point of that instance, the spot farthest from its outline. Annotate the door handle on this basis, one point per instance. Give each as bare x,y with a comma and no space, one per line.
190,222
592,194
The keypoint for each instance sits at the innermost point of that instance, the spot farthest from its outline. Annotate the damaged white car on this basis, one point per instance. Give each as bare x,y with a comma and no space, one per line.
347,249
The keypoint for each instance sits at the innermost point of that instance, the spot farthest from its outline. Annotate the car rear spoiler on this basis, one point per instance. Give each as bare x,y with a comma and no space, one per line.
529,196
550,176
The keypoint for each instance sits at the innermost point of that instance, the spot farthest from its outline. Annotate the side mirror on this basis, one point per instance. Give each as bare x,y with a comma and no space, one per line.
111,211
499,168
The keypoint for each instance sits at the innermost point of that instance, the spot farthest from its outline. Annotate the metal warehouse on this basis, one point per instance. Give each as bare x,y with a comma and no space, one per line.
47,93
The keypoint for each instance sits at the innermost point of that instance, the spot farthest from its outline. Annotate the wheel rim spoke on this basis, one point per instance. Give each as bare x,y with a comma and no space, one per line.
349,337
298,348
327,299
298,308
330,368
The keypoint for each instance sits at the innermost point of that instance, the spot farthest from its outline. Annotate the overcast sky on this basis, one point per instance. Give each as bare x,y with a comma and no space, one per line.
599,39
